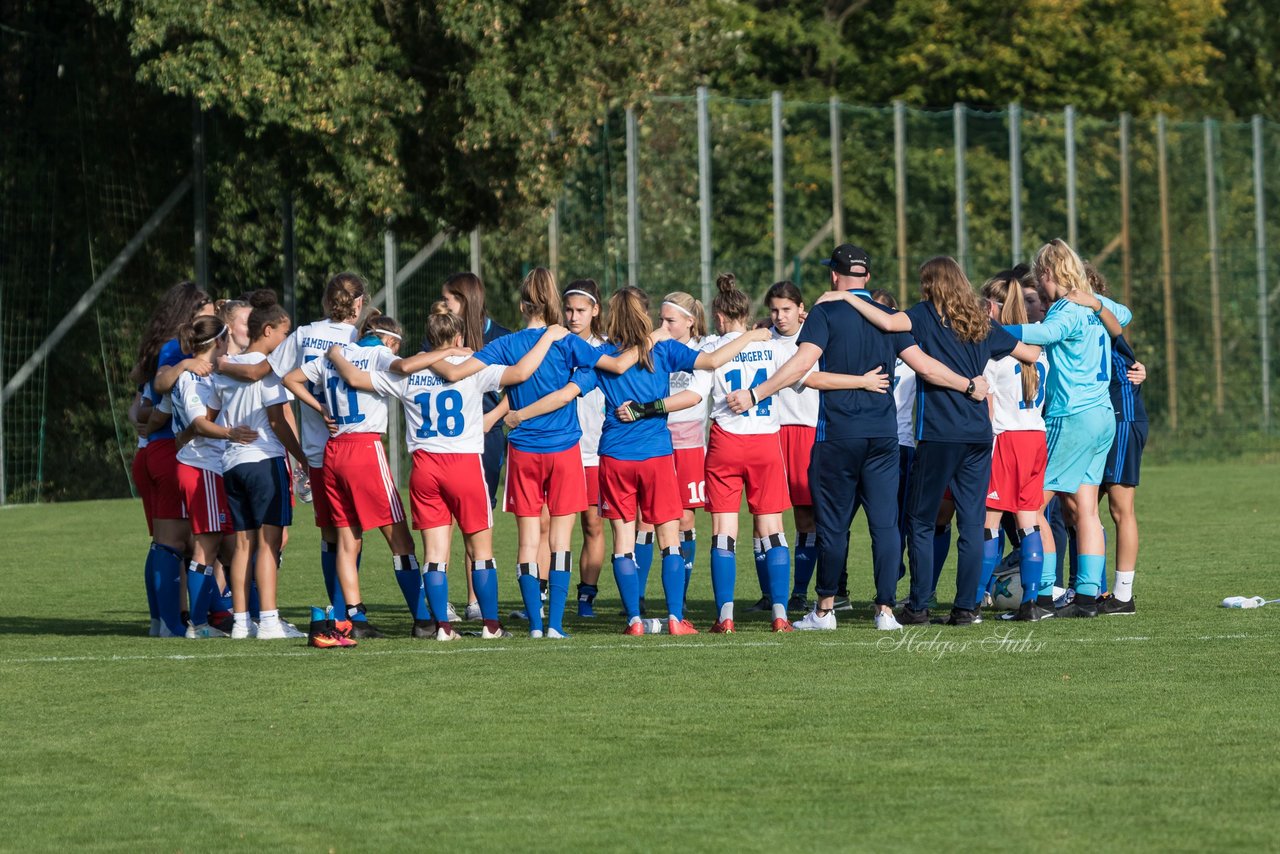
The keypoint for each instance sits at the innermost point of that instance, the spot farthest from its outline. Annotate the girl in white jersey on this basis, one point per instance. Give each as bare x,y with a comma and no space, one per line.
445,435
195,412
1019,456
256,476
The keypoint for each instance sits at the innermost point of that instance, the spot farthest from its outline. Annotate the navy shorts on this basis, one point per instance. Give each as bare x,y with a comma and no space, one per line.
1125,460
258,494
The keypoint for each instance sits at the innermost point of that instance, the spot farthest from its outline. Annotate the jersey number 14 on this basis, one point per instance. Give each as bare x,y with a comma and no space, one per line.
735,384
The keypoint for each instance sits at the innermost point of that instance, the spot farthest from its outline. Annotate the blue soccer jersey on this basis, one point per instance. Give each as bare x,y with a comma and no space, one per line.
648,437
559,430
1079,351
170,354
942,414
1126,398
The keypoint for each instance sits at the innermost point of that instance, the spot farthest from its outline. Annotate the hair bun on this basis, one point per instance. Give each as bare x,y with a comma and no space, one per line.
262,298
440,307
726,283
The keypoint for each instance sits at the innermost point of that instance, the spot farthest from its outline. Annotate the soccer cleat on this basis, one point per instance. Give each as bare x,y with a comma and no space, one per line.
364,630
154,631
842,603
496,634
1081,606
240,632
273,631
165,633
291,631
203,632
446,633
963,617
680,627
473,612
1028,612
451,614
423,629
798,603
1065,599
762,604
722,627
634,629
556,634
813,622
886,622
327,640
535,633
586,607
781,624
908,617
1109,606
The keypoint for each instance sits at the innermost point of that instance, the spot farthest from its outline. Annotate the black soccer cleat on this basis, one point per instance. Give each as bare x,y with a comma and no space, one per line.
762,604
1080,606
423,629
963,617
1030,611
1109,605
364,630
908,617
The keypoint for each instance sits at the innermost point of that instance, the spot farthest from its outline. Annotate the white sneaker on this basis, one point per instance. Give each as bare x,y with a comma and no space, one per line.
555,635
886,622
443,634
473,612
535,633
205,631
291,631
155,628
239,632
451,614
813,623
485,634
271,631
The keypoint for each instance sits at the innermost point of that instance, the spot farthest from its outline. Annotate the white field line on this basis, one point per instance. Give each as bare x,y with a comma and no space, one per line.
548,647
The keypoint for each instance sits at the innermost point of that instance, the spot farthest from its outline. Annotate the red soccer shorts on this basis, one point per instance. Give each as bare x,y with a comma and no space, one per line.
797,446
555,480
593,485
358,483
162,477
649,485
691,477
320,498
753,462
1017,471
444,487
205,499
142,483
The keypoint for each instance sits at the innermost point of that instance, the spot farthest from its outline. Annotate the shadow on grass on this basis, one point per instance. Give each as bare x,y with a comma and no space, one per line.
69,627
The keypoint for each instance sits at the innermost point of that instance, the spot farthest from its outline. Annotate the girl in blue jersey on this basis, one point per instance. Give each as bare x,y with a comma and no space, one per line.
545,464
1079,420
155,468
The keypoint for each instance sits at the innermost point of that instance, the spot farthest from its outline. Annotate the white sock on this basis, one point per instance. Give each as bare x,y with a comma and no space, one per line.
726,611
241,618
268,618
779,612
1124,586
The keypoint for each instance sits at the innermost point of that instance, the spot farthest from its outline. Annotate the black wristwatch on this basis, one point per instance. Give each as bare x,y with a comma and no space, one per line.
969,391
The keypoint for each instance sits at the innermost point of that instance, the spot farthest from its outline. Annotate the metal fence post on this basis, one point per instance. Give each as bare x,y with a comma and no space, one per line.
779,218
633,203
704,193
837,175
1166,265
1070,134
476,256
962,225
289,271
395,446
1015,182
1260,240
900,192
1215,282
1126,258
553,240
200,243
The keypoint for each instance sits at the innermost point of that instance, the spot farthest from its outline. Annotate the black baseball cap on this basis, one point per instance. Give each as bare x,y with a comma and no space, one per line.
849,260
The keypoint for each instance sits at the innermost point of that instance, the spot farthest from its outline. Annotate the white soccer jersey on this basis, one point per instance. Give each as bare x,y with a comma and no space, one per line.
904,398
307,344
751,367
193,396
245,405
355,411
1010,411
795,406
689,426
441,417
591,419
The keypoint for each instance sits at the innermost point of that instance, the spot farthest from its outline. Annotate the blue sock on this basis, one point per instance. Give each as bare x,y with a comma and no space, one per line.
1103,588
434,582
724,571
806,560
688,551
149,579
1073,558
484,578
624,573
1049,573
1089,579
1031,564
199,592
673,581
558,589
762,568
644,560
941,548
221,600
409,577
530,593
329,567
777,562
990,557
166,567
255,601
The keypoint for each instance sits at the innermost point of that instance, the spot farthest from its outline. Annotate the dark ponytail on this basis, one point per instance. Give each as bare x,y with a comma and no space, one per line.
201,334
266,311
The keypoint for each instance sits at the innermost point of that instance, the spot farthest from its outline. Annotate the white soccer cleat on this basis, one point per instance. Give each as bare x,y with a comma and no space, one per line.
451,614
239,632
291,631
473,612
443,634
271,631
887,622
154,631
535,633
811,622
485,634
555,635
203,632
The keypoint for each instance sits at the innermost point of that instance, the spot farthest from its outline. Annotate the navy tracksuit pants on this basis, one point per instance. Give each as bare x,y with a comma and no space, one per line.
967,468
846,473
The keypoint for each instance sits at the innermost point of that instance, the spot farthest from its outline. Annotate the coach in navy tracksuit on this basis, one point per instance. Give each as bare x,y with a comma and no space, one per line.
855,455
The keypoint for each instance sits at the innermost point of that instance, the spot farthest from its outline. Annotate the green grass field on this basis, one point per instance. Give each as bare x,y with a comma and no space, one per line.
1148,732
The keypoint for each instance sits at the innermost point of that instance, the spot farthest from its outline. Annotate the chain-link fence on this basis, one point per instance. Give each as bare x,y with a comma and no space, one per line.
1183,218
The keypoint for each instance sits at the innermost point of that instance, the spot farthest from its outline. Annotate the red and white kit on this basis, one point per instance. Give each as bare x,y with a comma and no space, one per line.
1019,457
200,460
688,429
